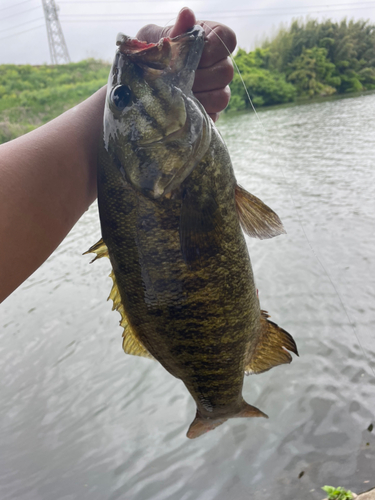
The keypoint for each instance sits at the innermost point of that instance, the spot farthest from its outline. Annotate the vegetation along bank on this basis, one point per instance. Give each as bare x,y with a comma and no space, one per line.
306,60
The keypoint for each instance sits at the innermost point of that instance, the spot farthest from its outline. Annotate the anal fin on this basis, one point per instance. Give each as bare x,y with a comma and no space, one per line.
272,347
256,219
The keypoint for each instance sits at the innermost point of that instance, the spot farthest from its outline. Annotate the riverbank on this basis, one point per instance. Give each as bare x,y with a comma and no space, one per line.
33,95
367,495
307,59
300,101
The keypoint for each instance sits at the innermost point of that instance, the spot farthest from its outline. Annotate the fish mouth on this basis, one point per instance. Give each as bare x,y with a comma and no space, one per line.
174,61
174,54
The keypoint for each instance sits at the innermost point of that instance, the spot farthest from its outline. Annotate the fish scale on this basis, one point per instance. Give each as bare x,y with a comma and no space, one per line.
171,214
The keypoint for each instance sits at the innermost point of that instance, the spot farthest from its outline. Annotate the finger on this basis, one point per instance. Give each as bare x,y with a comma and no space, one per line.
184,22
214,77
214,101
150,33
153,33
220,40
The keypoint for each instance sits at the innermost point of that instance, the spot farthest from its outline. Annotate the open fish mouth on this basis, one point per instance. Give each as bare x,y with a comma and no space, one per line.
172,53
186,126
173,59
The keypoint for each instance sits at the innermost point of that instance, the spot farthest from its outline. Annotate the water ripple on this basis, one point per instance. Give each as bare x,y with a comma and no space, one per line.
82,420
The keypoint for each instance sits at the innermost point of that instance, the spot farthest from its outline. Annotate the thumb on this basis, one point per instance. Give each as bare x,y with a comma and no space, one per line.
153,33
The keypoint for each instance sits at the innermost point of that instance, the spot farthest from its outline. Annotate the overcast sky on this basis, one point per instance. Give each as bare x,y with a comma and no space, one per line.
90,27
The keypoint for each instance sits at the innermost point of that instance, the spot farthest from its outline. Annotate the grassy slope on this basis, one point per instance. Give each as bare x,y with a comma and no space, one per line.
32,95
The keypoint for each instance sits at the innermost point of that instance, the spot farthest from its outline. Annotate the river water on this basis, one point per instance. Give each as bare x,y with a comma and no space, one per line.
82,420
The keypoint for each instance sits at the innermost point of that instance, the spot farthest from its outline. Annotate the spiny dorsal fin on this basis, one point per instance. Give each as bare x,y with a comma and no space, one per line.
271,349
131,344
256,219
100,248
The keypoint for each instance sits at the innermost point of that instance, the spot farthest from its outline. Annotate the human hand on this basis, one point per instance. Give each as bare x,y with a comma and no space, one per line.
215,69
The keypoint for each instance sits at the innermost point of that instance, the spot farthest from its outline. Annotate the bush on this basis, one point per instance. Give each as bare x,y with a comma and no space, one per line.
264,87
33,95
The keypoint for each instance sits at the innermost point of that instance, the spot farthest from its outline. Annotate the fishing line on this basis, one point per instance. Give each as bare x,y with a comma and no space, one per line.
351,323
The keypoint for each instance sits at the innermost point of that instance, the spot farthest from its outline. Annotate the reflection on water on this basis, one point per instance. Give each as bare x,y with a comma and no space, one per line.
81,420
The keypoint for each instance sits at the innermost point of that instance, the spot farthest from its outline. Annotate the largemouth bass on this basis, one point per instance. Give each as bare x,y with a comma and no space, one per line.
171,214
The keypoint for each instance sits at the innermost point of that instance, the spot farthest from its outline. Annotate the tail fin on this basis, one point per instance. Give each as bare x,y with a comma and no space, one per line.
201,425
249,411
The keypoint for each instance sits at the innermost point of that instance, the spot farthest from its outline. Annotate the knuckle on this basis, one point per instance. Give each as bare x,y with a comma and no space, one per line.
227,71
226,96
232,40
149,33
227,35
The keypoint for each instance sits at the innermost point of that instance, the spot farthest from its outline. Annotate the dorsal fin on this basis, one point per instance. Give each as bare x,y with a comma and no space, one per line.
131,344
256,218
271,349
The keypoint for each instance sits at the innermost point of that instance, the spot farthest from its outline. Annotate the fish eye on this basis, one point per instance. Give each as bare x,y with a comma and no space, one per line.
121,96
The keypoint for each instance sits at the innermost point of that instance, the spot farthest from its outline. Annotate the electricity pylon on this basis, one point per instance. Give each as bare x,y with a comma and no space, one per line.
57,46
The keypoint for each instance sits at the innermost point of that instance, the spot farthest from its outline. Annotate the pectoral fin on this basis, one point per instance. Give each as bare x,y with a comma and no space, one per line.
256,218
100,249
271,349
131,344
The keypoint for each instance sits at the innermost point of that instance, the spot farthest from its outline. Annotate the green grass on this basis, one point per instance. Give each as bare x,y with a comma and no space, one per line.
33,95
338,493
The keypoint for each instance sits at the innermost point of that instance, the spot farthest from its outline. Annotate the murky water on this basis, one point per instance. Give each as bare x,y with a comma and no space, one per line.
81,420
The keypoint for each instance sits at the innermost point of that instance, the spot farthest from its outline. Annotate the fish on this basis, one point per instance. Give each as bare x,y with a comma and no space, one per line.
172,219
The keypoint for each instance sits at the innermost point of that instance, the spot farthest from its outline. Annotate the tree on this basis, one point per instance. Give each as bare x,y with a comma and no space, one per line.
313,74
264,87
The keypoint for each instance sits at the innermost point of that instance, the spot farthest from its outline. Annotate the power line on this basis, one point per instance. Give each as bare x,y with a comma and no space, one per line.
21,32
19,13
22,24
115,1
261,9
72,18
15,5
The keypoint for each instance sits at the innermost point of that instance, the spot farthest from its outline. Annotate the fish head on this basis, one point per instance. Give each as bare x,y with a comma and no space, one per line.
153,125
